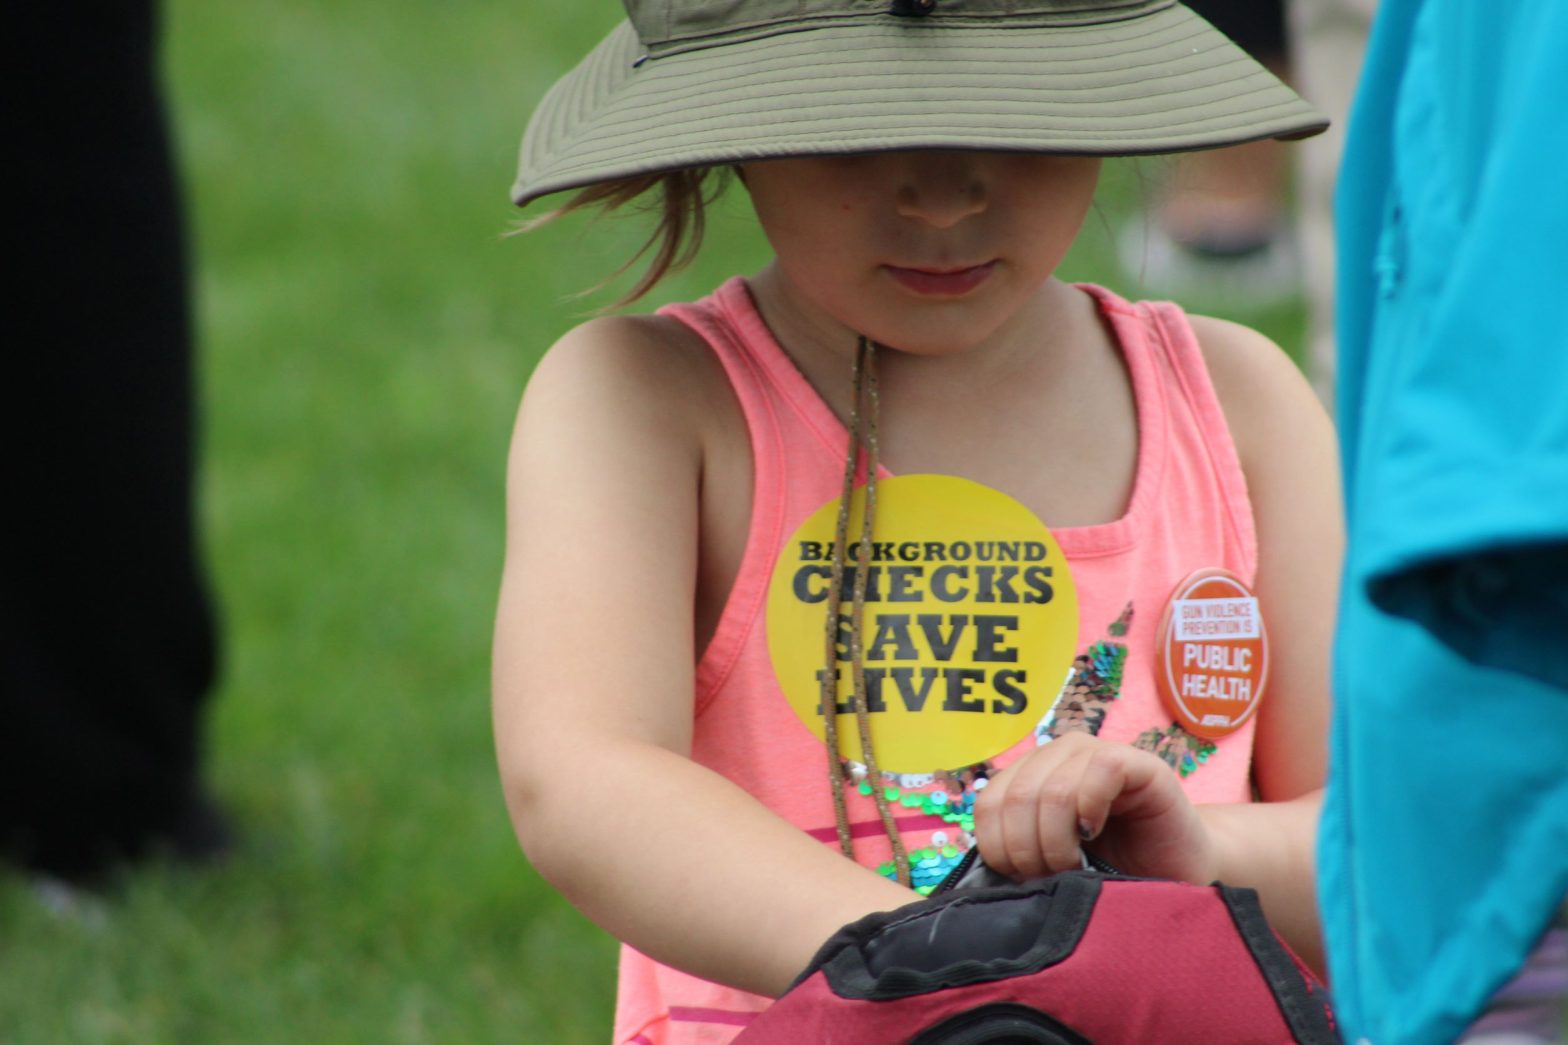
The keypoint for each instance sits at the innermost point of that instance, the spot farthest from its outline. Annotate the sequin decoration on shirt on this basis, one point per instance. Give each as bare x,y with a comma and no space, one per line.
948,797
1095,682
1179,749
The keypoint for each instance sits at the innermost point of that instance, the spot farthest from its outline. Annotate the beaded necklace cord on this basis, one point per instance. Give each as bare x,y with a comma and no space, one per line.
862,441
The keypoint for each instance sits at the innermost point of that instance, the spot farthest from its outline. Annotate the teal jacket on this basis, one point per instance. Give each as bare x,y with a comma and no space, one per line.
1444,846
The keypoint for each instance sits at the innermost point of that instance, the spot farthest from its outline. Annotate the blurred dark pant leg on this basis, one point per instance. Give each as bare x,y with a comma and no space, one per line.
106,641
1258,26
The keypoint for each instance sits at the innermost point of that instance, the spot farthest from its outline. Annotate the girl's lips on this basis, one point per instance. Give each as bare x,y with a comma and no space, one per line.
949,283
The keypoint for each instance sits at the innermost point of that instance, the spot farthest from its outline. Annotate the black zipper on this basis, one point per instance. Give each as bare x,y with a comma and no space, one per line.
1096,864
960,869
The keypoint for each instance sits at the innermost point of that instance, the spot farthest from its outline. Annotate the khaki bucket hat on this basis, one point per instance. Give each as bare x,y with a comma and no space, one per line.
699,83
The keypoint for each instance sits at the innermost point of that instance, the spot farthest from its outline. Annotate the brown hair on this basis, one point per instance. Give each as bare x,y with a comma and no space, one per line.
680,204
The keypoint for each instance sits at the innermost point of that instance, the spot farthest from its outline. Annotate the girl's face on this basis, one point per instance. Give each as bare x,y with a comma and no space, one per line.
927,252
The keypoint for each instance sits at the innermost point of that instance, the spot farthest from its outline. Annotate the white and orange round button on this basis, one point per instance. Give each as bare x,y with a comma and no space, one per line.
1213,654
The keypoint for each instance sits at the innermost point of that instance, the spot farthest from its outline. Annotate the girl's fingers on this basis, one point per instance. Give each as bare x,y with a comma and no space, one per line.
1056,825
988,826
1026,821
992,822
1032,819
1138,818
1105,777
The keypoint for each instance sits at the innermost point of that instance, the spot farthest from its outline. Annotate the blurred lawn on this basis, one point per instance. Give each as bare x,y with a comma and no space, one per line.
365,333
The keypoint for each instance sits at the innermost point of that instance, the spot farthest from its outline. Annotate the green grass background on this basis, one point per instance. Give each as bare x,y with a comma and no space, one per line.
365,333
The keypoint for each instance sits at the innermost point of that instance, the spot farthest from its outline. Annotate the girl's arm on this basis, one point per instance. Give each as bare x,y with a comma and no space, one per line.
593,677
1127,800
1290,456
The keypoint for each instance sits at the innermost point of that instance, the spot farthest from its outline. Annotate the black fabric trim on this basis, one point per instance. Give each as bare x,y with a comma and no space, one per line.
1304,1010
936,943
1002,1022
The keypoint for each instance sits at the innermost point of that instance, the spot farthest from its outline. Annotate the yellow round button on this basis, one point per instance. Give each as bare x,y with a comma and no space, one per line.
970,622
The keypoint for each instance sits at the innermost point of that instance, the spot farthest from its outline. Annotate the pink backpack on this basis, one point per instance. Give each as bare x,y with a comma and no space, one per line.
1075,958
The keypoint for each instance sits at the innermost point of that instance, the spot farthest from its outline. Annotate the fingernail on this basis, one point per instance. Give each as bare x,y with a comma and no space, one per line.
1085,830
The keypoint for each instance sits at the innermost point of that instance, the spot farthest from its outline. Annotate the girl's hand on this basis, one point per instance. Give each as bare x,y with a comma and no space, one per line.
1125,803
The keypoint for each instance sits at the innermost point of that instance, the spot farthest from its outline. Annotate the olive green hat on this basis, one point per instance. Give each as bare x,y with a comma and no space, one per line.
697,83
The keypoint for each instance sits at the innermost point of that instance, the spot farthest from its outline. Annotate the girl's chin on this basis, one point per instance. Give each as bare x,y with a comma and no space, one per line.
940,330
930,339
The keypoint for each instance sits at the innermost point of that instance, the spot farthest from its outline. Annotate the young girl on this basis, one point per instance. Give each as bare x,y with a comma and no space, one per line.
920,170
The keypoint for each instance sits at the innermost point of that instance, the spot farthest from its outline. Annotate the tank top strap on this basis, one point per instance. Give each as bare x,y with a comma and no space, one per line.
797,451
1181,417
764,378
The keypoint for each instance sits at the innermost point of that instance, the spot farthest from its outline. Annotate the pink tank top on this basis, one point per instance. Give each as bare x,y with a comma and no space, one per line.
1188,510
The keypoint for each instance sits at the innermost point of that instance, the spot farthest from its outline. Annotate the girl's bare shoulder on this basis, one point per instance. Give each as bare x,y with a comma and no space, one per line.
1263,394
642,356
642,374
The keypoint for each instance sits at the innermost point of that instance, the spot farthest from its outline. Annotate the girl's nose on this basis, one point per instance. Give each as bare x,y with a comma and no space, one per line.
941,189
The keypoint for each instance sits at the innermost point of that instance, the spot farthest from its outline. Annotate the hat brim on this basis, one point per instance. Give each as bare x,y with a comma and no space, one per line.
1166,81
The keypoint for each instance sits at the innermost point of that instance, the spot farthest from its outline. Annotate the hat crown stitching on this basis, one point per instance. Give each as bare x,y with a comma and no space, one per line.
674,26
